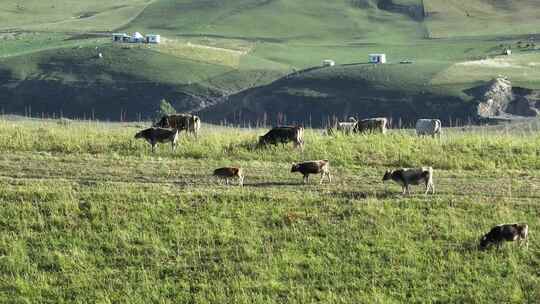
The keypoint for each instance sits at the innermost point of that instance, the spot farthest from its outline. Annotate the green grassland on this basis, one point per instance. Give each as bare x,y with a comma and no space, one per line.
90,215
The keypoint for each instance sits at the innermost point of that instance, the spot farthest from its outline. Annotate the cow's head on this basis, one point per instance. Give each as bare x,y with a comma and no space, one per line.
484,242
139,135
162,123
295,167
387,175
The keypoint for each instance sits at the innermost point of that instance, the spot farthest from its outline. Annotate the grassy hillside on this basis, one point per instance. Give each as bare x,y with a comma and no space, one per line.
459,18
89,215
279,21
70,16
214,50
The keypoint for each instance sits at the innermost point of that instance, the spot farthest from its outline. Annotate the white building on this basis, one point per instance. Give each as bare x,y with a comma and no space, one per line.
120,37
153,38
137,37
328,63
377,58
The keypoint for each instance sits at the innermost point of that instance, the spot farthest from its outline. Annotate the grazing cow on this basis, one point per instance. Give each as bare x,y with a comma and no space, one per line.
158,135
313,167
284,134
230,172
371,125
406,177
506,232
346,127
182,122
430,127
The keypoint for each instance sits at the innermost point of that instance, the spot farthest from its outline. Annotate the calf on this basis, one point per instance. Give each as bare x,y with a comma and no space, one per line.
430,127
183,122
406,177
313,167
230,172
373,125
506,232
284,135
158,135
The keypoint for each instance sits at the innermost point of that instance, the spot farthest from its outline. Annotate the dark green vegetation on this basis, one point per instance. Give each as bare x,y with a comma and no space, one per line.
89,215
224,51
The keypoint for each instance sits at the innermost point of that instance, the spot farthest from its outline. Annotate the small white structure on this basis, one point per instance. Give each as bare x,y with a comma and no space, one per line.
137,37
120,37
328,63
153,38
377,58
507,52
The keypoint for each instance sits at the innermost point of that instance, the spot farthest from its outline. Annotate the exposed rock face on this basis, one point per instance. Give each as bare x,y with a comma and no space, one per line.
498,98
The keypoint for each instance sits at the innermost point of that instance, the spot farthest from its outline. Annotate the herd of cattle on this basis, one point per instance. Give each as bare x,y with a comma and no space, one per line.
167,130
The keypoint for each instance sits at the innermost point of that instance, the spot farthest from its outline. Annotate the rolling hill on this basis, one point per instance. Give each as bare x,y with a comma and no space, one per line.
226,57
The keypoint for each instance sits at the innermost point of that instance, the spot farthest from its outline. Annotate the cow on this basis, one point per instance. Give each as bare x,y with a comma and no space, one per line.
313,167
346,127
159,135
182,122
430,127
506,232
230,172
284,134
406,177
371,125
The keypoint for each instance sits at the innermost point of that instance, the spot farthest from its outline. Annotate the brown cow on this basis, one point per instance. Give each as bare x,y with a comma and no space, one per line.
182,122
230,172
313,167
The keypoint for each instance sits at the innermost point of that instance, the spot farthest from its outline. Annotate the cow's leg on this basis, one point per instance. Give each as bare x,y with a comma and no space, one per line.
227,181
322,177
154,144
173,145
408,188
329,176
522,241
306,178
241,181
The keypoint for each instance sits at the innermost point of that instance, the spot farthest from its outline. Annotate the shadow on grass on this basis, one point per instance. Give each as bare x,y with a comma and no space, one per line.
364,194
470,245
272,184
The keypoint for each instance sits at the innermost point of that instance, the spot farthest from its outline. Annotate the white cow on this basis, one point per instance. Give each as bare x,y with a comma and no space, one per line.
430,127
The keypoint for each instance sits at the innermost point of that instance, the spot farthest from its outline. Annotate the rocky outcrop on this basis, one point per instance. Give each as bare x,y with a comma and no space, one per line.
495,98
498,98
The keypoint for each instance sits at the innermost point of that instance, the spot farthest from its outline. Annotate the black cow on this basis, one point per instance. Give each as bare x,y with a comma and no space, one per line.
284,134
506,232
158,135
